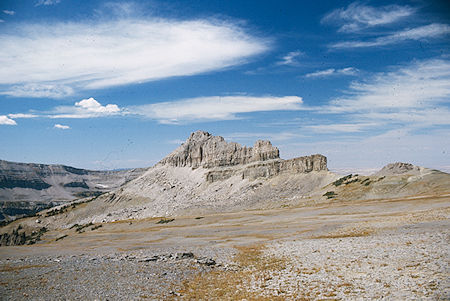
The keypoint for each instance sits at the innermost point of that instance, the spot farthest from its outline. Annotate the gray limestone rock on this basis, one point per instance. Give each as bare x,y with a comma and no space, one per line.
202,149
399,168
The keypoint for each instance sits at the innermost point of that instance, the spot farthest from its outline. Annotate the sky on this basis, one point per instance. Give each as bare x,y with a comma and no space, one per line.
120,84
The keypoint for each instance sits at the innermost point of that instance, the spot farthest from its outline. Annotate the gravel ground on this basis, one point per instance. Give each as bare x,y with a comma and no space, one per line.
395,250
119,276
408,263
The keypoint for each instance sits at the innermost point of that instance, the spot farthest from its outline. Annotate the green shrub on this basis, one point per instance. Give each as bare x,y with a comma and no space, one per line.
165,221
330,194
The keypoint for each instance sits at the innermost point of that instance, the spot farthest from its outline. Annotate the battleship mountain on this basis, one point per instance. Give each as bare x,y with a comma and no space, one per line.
207,174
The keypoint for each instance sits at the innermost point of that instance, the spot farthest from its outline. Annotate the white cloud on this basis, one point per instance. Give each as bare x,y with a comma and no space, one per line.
91,105
1,21
4,120
20,115
47,2
214,108
332,72
339,127
425,32
9,12
86,108
38,90
358,16
56,59
290,58
417,86
62,127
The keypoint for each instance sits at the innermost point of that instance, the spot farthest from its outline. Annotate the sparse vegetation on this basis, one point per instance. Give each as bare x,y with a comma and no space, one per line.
35,236
79,228
8,268
330,194
165,220
255,268
56,211
86,194
96,227
352,181
345,233
340,181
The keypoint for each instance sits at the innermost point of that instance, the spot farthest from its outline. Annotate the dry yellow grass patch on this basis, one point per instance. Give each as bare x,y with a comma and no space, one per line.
256,268
8,268
344,233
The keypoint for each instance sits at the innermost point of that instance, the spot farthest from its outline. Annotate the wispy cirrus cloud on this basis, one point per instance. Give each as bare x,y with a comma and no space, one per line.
415,86
47,2
9,12
290,59
426,32
58,59
358,16
273,136
332,72
339,127
38,90
214,108
5,120
404,145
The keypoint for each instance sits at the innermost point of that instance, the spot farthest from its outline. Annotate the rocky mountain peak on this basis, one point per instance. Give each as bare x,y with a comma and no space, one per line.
202,149
398,168
198,136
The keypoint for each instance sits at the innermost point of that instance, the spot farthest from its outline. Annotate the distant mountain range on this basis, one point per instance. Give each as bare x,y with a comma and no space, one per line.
28,187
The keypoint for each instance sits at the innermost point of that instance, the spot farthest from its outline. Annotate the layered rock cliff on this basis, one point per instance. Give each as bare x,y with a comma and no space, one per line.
225,159
208,174
270,168
26,188
202,149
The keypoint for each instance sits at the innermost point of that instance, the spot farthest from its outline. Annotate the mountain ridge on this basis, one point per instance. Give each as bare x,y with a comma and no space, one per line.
30,187
207,174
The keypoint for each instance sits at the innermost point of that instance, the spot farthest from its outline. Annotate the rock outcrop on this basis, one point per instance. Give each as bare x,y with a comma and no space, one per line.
208,174
399,168
267,169
205,174
225,159
202,149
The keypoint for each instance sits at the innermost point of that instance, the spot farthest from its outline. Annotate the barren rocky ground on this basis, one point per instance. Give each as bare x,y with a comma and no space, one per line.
378,249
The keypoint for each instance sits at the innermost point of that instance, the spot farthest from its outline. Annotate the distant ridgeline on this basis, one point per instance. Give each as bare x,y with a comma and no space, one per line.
27,187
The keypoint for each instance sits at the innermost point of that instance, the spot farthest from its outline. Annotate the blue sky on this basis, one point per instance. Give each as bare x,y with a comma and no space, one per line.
106,85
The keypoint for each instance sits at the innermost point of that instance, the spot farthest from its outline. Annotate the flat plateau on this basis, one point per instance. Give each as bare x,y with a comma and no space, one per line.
372,249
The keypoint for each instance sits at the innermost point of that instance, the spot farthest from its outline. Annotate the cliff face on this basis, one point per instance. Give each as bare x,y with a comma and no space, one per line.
226,159
27,187
202,149
267,169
